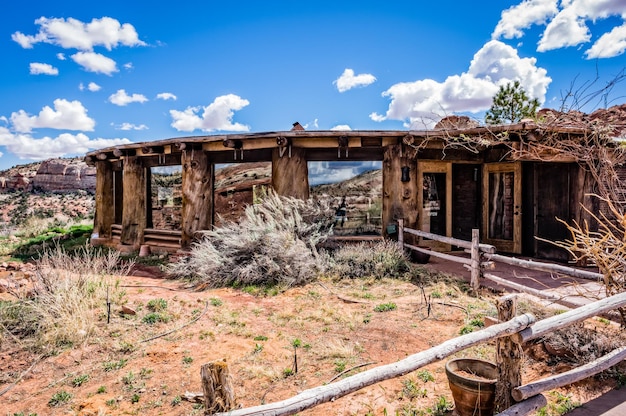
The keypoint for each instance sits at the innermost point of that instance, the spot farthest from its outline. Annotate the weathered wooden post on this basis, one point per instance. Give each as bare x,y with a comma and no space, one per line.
134,202
217,386
197,192
401,233
475,266
290,173
105,206
399,193
508,356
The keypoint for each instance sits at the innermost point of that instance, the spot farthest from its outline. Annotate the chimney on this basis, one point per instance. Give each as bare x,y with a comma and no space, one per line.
297,127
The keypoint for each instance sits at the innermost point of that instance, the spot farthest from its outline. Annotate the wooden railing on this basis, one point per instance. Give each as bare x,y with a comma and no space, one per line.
510,335
517,330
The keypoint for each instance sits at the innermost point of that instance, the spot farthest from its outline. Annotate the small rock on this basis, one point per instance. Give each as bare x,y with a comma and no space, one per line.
128,311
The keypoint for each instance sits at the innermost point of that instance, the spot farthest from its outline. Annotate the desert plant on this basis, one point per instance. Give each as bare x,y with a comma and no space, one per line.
383,259
62,306
274,244
59,398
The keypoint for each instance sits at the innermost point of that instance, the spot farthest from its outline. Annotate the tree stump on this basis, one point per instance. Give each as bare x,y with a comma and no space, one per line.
217,385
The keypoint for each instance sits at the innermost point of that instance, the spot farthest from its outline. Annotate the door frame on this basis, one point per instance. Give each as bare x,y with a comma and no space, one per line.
434,167
515,244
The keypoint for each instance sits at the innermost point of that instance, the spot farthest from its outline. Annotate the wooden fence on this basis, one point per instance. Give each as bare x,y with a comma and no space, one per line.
510,335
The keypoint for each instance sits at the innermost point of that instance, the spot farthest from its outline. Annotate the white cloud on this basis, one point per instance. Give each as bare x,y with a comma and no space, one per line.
128,66
121,98
166,96
522,16
66,115
25,146
609,45
37,68
341,127
95,62
93,87
61,56
130,126
348,80
74,34
424,102
566,24
216,116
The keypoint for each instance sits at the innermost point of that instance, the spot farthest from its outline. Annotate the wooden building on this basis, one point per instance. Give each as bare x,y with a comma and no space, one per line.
446,181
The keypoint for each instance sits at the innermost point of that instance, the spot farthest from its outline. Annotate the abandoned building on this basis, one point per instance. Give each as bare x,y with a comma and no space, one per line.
448,181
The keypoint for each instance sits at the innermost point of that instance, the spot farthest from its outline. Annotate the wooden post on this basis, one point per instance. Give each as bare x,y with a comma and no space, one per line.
105,208
401,233
217,385
508,356
475,251
197,190
399,198
290,173
134,200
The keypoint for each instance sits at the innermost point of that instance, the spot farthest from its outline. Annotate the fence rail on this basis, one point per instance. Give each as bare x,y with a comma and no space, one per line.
509,335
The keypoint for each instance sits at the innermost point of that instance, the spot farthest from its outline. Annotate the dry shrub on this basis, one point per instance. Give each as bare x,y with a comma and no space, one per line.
378,260
68,292
273,244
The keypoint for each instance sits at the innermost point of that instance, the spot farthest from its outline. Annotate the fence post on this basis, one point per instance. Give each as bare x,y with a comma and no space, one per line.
217,385
401,233
475,266
508,356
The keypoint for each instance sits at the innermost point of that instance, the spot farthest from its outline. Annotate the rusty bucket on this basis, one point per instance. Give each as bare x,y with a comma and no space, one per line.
473,385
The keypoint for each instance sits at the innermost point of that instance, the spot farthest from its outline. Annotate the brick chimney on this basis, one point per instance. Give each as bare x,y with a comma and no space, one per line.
297,127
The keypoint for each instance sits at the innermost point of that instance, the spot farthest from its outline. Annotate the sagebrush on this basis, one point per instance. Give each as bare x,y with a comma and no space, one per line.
274,243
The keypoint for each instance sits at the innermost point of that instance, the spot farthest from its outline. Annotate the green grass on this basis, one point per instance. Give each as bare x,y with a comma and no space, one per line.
385,307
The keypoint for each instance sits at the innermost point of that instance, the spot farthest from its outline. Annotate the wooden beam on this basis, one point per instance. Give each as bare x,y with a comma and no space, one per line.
575,315
559,380
197,188
134,202
546,267
486,248
105,207
290,175
527,407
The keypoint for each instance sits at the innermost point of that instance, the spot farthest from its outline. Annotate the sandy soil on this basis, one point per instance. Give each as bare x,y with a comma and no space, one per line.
336,322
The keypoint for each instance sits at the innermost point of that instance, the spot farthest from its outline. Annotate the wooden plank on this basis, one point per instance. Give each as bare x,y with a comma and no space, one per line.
177,233
559,380
546,267
322,394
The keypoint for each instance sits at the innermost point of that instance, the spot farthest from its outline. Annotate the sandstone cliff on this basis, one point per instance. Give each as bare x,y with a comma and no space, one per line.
53,175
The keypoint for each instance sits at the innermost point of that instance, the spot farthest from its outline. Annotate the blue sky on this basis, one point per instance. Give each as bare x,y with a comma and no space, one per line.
79,75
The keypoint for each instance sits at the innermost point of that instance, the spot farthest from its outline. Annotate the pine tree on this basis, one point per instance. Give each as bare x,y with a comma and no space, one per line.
511,104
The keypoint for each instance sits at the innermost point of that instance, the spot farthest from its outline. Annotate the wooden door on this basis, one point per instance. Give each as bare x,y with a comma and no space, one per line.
502,206
434,201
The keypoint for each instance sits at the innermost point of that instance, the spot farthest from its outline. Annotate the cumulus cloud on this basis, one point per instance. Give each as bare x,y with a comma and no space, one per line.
25,146
341,127
216,116
348,80
566,24
93,87
66,115
95,62
121,98
37,68
609,45
61,56
73,34
528,12
166,96
424,102
130,126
